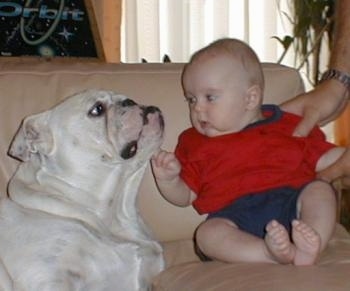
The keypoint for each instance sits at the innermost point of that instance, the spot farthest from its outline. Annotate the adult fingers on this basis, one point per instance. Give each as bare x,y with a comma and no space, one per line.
307,123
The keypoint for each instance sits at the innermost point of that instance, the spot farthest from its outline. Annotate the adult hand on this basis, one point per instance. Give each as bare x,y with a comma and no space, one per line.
318,106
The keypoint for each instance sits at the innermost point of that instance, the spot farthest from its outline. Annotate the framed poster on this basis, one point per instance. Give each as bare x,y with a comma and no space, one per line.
49,28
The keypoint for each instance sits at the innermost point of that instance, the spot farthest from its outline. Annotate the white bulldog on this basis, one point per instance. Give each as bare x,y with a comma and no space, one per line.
70,221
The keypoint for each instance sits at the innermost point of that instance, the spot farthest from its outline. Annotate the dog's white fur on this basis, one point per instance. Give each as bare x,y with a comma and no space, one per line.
70,220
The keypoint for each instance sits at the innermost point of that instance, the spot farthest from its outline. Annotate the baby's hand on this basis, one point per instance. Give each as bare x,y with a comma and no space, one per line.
165,166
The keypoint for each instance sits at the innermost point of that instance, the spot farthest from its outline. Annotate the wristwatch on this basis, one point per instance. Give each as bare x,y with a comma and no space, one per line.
337,75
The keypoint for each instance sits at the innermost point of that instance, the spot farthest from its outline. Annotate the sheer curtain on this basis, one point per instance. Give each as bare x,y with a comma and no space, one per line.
177,28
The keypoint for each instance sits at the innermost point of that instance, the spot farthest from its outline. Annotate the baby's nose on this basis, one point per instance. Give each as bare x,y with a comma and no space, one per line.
198,106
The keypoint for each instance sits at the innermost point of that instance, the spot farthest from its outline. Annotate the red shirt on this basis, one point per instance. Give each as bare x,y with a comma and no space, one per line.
263,156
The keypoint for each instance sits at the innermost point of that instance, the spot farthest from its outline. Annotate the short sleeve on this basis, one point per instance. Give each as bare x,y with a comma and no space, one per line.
316,146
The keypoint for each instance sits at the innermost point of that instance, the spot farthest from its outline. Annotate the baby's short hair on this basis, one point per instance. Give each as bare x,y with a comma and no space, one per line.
238,50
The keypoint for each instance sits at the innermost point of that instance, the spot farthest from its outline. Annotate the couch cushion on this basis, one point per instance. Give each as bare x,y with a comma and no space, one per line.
331,273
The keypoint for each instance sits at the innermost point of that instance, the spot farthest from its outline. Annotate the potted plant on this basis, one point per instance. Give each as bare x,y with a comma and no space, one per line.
312,22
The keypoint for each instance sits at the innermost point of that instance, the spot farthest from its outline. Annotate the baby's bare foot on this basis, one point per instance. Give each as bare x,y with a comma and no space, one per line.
307,243
278,243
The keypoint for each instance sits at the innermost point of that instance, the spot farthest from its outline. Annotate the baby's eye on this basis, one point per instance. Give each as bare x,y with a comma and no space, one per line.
211,98
191,100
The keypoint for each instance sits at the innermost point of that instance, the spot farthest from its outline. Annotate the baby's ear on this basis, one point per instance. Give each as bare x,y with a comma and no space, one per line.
253,97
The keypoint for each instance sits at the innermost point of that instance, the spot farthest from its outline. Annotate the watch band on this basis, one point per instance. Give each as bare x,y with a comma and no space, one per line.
337,75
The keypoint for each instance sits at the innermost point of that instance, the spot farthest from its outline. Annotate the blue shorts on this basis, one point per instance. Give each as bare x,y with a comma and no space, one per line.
252,212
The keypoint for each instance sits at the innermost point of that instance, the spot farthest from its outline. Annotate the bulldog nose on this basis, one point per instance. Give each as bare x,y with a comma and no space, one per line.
128,102
152,110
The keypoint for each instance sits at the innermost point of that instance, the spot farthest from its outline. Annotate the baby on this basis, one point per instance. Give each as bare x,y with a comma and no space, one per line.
240,164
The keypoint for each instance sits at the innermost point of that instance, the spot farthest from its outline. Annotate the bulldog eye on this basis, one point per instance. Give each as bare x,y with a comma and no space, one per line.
97,110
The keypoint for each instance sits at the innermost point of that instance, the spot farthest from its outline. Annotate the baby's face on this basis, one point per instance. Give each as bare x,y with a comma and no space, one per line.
216,89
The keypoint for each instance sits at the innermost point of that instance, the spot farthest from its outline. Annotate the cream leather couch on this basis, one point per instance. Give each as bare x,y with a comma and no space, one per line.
31,86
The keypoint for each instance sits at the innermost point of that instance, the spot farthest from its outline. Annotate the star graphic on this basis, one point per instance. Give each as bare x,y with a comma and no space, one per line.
66,34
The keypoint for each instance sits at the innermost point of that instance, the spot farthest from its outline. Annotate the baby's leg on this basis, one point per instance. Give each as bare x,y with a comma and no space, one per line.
317,213
220,239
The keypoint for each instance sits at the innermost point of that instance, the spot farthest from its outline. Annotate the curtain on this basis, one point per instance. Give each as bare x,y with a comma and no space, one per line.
177,28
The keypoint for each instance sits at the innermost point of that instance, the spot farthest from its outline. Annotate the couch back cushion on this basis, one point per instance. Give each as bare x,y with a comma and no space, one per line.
29,87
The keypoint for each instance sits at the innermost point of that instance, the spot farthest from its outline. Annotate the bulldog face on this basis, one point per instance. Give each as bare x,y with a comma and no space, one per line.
89,126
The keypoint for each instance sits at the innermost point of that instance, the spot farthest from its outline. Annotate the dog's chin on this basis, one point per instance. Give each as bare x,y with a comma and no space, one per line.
144,148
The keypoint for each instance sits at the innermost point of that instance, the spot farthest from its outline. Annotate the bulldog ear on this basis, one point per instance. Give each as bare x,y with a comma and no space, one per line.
33,136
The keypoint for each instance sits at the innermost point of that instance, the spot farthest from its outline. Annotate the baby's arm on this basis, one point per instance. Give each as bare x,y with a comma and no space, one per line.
339,170
166,170
329,158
